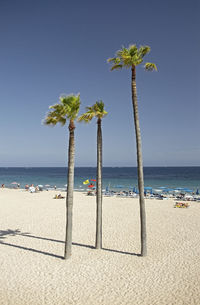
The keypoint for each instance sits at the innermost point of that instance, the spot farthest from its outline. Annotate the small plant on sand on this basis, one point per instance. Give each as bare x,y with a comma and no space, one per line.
67,110
97,111
130,58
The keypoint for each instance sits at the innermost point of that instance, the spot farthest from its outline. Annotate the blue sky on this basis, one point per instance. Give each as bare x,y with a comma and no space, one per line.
53,47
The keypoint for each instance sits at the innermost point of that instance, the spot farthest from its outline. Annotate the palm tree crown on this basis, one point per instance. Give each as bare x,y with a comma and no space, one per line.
131,56
97,110
67,109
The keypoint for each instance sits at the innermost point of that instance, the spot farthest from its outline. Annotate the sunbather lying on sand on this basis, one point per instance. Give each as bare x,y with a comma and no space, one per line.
58,196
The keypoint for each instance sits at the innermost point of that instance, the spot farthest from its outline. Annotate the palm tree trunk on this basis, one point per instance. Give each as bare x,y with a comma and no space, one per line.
139,166
70,188
98,243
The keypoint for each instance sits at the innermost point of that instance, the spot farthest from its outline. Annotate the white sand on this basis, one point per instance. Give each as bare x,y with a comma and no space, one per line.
32,230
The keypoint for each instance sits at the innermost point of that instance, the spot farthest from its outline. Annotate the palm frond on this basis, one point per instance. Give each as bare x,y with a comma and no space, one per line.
127,60
115,62
86,117
89,109
133,50
116,67
143,50
50,121
112,60
136,60
68,108
53,118
123,52
150,66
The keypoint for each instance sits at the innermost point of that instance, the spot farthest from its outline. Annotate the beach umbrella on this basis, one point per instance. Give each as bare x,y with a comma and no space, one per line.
184,189
168,190
157,190
136,191
148,188
14,183
91,185
93,180
188,190
86,181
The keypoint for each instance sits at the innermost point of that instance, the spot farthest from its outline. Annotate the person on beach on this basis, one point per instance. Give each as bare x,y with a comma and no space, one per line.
3,185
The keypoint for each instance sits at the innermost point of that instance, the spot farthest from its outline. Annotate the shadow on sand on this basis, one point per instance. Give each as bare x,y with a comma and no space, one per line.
5,233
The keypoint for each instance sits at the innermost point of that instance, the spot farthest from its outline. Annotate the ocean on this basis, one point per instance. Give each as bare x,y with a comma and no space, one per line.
113,177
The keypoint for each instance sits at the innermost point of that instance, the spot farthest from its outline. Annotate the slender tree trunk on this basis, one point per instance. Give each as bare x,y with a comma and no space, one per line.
139,165
70,189
98,243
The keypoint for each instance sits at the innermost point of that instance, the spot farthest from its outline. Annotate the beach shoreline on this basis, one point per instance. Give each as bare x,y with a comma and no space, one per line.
32,243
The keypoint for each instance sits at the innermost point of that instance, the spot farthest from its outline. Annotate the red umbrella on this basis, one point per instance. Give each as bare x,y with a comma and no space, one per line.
93,180
91,185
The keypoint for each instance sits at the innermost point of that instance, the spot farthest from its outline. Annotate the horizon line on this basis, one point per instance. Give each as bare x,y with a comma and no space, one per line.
95,166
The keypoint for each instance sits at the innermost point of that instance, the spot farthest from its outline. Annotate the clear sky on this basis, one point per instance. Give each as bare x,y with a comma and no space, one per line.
51,47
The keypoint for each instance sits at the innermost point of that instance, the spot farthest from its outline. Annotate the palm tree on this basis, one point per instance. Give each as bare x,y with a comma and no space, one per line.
67,109
130,58
97,110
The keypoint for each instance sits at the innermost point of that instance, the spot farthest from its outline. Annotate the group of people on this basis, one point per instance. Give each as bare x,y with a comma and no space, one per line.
32,189
28,187
16,185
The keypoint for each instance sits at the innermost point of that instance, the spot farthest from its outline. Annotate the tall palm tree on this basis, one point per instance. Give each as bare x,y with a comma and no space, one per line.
130,58
98,111
67,109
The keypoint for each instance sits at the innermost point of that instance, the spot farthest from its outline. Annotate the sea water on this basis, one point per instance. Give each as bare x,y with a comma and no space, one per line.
113,177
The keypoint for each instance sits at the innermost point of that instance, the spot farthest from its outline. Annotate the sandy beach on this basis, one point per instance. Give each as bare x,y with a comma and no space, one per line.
32,243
